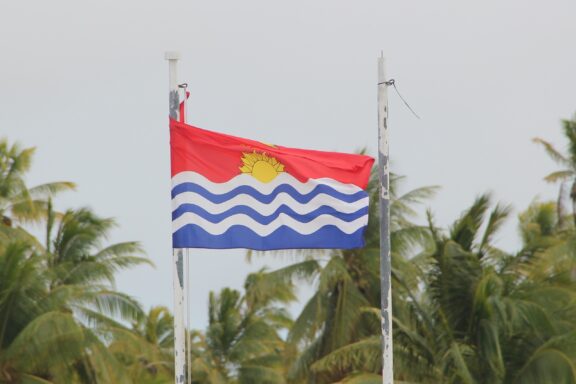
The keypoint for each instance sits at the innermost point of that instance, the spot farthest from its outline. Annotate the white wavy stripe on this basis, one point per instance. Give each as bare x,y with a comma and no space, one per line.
267,229
265,188
267,209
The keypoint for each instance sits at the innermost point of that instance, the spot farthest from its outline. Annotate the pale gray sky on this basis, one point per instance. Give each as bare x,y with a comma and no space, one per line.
86,82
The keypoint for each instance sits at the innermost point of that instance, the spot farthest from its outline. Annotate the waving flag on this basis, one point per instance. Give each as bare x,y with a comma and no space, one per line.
229,192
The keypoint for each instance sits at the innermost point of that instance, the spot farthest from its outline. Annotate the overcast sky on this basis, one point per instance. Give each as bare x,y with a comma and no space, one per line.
86,83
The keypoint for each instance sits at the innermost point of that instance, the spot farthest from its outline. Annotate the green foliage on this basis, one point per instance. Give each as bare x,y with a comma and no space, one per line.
59,312
242,343
18,203
567,161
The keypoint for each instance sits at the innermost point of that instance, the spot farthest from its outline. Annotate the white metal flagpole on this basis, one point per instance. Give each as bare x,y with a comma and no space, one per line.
385,264
177,257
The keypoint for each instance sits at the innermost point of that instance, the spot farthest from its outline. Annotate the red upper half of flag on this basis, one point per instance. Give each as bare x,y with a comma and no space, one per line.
219,157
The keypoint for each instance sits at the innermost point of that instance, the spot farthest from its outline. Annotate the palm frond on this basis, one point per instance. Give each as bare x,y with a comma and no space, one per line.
44,191
419,195
300,368
465,230
364,355
495,221
559,176
310,320
456,358
115,304
120,249
553,362
96,319
552,152
52,339
263,288
569,129
258,374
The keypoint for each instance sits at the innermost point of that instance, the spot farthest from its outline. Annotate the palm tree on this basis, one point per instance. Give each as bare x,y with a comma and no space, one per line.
40,341
58,307
242,343
17,201
336,337
567,161
75,254
81,270
157,327
146,350
465,295
484,316
203,366
464,310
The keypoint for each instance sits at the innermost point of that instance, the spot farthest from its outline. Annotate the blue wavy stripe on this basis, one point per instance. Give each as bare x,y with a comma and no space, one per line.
262,219
303,199
328,237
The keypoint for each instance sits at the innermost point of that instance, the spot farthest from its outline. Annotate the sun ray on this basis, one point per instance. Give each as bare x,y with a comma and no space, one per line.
261,166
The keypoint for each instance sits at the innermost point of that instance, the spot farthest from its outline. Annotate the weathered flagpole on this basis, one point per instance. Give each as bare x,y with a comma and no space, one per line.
385,265
177,257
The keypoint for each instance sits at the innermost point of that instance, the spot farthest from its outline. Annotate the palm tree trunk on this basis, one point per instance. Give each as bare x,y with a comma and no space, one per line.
6,221
573,197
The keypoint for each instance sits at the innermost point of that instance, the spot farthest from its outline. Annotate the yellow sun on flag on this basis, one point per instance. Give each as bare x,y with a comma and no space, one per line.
261,166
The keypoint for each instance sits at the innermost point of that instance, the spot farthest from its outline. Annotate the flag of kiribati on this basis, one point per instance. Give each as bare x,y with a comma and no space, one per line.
229,192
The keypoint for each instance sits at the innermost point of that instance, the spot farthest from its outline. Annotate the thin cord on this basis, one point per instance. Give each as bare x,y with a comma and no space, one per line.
392,82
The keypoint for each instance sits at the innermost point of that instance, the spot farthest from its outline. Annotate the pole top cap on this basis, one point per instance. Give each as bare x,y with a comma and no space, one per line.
172,55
